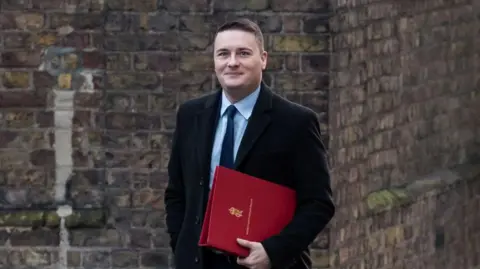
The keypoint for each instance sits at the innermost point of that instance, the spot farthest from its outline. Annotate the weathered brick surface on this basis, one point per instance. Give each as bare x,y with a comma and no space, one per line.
89,90
88,94
404,102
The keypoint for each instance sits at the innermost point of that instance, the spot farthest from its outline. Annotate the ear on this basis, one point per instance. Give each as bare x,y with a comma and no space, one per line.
264,57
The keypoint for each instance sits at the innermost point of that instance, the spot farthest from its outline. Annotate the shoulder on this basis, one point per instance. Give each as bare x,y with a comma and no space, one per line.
293,112
195,105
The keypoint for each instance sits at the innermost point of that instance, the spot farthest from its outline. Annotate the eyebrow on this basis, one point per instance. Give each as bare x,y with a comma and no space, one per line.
242,48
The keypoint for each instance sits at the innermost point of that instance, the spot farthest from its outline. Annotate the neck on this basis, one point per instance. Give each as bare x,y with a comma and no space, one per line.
238,94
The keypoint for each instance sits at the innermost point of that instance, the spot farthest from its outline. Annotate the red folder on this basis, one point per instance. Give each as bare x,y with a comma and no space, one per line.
243,206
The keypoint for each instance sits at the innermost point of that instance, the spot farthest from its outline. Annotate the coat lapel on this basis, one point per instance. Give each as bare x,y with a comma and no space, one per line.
259,121
206,121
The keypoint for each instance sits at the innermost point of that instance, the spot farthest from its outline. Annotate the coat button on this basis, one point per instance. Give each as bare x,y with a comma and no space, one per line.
197,220
201,182
196,259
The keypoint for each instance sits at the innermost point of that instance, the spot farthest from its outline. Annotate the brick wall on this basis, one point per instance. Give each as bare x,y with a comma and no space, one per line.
404,103
88,96
89,89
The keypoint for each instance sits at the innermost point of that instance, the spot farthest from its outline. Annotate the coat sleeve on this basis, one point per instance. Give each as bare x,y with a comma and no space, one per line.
315,207
174,193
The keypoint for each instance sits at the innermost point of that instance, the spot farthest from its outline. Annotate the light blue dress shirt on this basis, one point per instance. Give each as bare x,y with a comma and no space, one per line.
245,108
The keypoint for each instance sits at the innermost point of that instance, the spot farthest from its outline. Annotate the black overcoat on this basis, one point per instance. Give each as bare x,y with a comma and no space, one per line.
281,144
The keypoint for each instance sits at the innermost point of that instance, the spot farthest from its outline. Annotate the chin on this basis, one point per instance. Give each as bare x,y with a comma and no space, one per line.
234,85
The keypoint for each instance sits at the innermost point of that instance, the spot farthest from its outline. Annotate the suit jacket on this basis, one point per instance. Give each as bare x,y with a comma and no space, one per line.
281,144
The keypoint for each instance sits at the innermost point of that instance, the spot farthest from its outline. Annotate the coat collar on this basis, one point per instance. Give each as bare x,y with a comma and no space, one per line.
264,102
207,120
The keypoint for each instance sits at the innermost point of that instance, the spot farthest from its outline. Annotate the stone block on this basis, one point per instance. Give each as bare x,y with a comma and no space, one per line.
320,259
16,178
157,258
80,40
314,6
161,62
163,102
15,5
20,59
292,23
85,21
17,119
187,6
88,100
119,197
74,258
197,82
128,81
132,5
125,258
316,24
316,63
30,21
23,99
239,6
118,61
48,5
201,23
160,22
96,238
140,239
49,218
22,219
300,43
301,82
186,41
196,62
37,237
268,24
65,81
16,80
121,22
148,198
30,258
43,80
386,199
394,236
100,259
7,21
44,39
87,198
276,62
17,40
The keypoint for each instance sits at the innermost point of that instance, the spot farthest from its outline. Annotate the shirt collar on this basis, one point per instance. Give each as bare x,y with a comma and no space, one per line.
244,106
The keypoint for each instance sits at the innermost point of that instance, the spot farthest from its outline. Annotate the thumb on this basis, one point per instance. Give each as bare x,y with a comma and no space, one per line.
245,243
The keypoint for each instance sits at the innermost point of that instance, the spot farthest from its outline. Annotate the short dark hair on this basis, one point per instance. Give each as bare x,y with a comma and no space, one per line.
246,25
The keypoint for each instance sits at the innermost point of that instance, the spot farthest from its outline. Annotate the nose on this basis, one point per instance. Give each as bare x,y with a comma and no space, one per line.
232,61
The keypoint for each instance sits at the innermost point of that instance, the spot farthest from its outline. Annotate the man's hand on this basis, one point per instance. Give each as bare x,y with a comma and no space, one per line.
257,259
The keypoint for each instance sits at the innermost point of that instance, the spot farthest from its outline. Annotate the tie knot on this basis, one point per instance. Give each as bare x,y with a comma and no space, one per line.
231,110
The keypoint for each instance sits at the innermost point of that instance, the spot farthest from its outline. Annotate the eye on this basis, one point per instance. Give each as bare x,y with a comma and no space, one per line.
244,53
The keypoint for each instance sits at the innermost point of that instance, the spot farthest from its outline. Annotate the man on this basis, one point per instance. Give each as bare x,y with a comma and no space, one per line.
245,126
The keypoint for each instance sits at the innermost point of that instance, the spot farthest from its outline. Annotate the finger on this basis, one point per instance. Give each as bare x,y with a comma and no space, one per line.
247,261
245,243
243,262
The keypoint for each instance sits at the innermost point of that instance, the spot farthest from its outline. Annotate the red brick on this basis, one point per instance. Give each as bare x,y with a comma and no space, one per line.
93,60
20,59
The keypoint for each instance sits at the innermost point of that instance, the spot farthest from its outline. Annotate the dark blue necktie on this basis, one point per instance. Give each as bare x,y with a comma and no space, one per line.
226,157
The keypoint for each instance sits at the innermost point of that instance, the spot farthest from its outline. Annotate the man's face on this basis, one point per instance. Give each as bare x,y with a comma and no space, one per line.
239,62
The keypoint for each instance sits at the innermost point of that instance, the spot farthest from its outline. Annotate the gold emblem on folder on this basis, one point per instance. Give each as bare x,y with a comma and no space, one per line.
235,212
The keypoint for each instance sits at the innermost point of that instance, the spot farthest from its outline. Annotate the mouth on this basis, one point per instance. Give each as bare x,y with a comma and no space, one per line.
233,74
